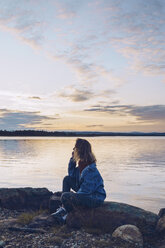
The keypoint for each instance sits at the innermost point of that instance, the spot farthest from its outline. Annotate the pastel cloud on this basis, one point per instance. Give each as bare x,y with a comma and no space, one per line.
74,94
13,120
95,126
77,95
135,29
65,10
145,113
140,34
34,97
16,17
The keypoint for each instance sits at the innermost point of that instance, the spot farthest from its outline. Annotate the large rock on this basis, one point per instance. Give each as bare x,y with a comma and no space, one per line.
129,233
112,215
161,212
160,228
25,198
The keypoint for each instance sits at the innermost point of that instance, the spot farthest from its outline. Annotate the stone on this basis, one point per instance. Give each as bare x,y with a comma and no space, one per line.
25,198
112,215
5,223
2,244
129,233
161,212
27,229
160,228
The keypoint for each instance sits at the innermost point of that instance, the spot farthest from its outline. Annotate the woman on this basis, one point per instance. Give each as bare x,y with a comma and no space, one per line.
84,179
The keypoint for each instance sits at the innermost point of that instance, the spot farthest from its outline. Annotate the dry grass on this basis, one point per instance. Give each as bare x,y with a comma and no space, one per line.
26,218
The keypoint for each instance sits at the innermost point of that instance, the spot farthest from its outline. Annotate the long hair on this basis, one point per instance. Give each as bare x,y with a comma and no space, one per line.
83,152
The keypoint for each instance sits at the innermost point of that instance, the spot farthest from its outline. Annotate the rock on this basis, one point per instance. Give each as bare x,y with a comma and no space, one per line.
24,198
27,229
160,228
161,212
55,202
129,233
2,244
5,223
112,215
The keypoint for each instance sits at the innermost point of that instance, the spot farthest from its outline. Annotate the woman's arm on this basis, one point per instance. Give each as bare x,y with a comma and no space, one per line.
88,183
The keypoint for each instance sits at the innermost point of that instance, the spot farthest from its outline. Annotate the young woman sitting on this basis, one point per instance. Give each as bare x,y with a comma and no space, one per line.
84,178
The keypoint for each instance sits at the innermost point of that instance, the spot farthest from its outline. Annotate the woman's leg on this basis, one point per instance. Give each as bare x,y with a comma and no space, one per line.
69,183
71,200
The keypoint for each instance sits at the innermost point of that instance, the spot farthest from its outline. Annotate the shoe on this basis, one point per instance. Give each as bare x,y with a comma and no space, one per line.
60,216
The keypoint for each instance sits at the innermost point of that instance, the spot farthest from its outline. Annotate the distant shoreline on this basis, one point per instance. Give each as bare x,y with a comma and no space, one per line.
38,133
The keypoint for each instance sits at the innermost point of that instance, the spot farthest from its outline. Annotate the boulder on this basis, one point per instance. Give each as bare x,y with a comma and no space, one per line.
161,212
129,233
112,215
24,198
2,244
160,228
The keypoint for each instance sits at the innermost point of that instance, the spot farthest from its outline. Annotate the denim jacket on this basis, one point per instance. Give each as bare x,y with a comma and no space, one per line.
90,182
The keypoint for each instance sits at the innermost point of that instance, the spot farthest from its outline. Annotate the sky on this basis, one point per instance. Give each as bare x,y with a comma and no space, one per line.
83,65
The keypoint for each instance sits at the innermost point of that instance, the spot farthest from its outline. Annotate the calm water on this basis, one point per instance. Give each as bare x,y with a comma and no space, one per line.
133,168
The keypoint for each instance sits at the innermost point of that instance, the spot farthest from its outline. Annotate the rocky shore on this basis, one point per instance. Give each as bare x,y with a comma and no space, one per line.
25,223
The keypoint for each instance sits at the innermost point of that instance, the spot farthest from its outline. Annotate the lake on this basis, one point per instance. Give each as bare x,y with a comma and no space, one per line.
133,168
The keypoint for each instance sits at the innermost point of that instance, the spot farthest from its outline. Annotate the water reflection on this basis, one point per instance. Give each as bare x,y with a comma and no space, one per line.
133,168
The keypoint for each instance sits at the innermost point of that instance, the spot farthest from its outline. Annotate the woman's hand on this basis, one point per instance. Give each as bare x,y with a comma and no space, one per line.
72,154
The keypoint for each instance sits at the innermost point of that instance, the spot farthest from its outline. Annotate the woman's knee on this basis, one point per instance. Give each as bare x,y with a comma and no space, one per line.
66,179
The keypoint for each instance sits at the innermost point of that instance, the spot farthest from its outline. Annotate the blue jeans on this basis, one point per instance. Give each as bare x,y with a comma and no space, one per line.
72,200
69,183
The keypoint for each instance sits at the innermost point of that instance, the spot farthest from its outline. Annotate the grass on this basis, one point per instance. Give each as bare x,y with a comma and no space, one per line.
26,218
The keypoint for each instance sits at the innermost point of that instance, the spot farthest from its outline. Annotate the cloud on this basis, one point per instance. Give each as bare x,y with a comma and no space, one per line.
133,29
78,56
69,9
151,69
152,113
13,120
20,19
66,11
34,97
74,94
139,34
91,126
